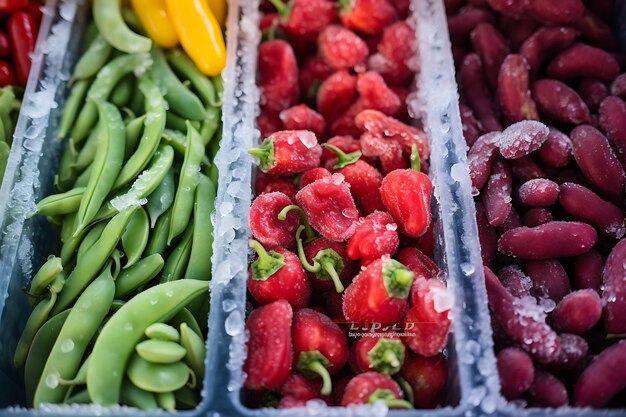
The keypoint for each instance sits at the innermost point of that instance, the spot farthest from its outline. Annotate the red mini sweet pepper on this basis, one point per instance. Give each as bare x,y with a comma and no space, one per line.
265,225
288,152
369,387
426,378
11,6
23,33
380,354
375,236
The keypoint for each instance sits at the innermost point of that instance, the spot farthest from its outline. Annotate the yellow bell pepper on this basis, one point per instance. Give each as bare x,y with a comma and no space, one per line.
218,7
200,34
155,20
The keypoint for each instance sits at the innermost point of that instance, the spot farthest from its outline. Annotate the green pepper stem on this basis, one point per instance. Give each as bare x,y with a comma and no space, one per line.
388,398
416,163
330,269
403,277
264,259
316,267
281,8
310,234
398,404
391,358
327,383
343,159
258,152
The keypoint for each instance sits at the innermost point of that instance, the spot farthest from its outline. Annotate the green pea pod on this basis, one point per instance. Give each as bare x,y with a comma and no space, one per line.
157,377
36,319
119,336
196,350
160,351
116,257
162,331
93,259
72,105
58,204
143,186
7,104
185,66
91,33
187,397
72,244
38,354
134,128
154,125
137,275
214,145
213,173
177,261
67,226
81,397
137,101
202,242
101,88
67,173
106,166
166,401
83,178
108,17
187,183
178,141
210,124
93,59
176,122
123,91
218,83
136,397
45,276
135,237
162,198
87,154
157,243
92,236
185,316
79,328
81,375
180,99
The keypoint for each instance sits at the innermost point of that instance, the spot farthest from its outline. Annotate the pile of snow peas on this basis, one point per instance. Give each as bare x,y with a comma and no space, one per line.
119,315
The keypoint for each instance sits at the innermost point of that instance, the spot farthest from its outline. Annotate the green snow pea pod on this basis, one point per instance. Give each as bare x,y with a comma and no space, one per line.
62,203
68,250
81,397
180,99
162,198
187,183
218,83
119,336
108,17
137,275
39,351
7,105
116,257
72,106
79,328
199,266
134,128
94,258
106,165
176,122
67,173
136,397
196,350
162,331
156,377
67,226
154,125
166,401
178,259
157,243
213,173
87,154
101,88
214,144
90,35
93,59
185,316
160,351
136,104
123,91
45,276
81,375
178,140
187,397
135,237
37,318
90,238
83,178
210,124
185,66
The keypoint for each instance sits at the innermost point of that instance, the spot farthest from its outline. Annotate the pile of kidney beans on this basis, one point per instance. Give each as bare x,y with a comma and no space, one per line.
349,308
19,24
545,121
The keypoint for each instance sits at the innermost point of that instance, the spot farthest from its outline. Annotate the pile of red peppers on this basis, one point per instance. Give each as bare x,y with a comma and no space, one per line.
19,24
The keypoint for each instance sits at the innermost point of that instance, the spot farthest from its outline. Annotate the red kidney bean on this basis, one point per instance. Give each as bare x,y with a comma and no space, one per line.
603,379
618,86
526,169
513,90
588,269
522,138
497,195
476,92
613,123
595,31
549,279
481,157
512,221
581,60
517,30
544,43
522,323
598,162
573,350
551,240
547,391
536,217
614,290
490,45
513,8
550,12
472,128
592,92
486,236
559,102
587,206
515,281
463,23
516,372
577,312
539,192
